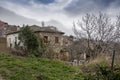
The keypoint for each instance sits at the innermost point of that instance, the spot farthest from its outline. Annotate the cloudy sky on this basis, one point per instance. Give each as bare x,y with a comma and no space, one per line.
59,13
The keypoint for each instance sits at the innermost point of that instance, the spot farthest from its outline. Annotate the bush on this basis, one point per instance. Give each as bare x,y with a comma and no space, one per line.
105,73
17,52
101,73
32,44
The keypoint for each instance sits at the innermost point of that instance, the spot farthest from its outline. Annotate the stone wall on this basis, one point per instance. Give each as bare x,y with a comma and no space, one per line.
3,45
51,38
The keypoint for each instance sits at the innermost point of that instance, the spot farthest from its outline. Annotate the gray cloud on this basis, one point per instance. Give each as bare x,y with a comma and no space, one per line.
44,1
13,18
77,7
21,2
60,26
59,13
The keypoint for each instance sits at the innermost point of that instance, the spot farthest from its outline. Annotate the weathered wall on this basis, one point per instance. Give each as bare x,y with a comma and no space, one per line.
51,38
52,45
11,39
3,45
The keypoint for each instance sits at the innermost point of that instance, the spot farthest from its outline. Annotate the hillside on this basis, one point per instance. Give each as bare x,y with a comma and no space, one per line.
19,68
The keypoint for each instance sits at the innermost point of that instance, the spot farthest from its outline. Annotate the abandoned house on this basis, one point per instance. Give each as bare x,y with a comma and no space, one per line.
49,34
5,28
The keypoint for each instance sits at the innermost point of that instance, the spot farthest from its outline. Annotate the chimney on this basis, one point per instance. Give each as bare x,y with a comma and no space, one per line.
43,24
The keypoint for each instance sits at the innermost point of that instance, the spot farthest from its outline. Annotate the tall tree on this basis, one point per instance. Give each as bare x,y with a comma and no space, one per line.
98,31
28,39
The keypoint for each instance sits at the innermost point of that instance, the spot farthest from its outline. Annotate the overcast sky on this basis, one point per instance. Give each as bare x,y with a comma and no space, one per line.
60,13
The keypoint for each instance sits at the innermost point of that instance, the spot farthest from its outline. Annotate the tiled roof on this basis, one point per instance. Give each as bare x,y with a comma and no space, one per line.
37,29
2,24
49,29
6,28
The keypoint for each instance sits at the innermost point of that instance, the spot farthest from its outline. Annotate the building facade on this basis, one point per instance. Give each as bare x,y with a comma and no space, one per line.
6,28
12,39
50,35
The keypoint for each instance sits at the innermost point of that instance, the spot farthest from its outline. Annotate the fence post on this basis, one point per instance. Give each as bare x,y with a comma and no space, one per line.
113,58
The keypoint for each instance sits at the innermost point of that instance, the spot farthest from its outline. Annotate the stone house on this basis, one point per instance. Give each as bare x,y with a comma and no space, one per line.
50,35
55,40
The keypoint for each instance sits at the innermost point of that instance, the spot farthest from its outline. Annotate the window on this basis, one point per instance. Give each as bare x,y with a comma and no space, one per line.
16,39
10,45
1,32
45,39
56,40
9,40
66,42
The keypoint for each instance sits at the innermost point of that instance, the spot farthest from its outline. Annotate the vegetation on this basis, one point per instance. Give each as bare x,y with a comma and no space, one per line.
99,73
27,68
99,33
31,43
21,68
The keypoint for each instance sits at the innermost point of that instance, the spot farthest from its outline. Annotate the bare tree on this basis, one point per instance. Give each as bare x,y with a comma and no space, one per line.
98,31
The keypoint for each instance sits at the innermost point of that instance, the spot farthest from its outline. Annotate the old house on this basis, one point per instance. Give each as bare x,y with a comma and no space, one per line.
55,40
3,26
50,35
6,28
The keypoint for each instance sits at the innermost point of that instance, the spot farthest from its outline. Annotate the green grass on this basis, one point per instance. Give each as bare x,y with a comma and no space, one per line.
28,68
20,68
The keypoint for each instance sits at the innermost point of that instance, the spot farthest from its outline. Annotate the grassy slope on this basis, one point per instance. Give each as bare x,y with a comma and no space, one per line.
19,68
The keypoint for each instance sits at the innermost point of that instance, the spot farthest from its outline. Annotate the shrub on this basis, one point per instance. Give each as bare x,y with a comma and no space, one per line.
32,44
17,52
101,73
